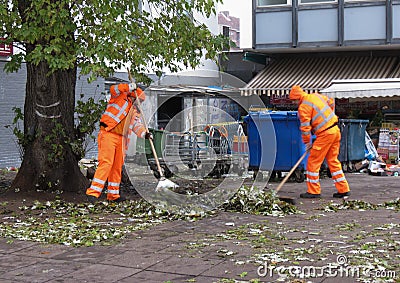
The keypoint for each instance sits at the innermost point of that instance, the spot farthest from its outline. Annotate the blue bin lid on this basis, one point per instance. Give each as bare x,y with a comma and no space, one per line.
353,121
274,115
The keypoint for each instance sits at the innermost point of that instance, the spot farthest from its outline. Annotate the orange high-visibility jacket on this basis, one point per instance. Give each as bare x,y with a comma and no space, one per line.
316,113
118,108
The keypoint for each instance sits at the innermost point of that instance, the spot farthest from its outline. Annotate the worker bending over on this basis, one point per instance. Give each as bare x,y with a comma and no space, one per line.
119,120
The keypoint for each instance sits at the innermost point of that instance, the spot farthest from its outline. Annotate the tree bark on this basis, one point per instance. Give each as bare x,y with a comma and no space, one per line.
49,162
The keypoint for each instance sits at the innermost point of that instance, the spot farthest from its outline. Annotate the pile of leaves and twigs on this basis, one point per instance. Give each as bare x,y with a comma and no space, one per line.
362,205
253,200
60,222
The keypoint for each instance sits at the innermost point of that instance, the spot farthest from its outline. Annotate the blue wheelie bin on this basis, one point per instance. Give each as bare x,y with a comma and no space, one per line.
275,143
352,143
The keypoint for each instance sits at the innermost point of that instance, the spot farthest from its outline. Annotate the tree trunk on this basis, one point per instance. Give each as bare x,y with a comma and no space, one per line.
49,162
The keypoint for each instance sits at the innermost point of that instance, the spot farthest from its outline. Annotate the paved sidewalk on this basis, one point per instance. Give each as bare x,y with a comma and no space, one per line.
222,248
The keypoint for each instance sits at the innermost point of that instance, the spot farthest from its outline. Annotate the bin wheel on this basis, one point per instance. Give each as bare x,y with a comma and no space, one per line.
226,168
236,169
299,176
156,174
218,172
350,168
258,176
255,174
191,166
174,169
167,171
276,175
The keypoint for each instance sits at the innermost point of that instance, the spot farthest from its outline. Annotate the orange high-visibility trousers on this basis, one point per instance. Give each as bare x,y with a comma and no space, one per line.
326,145
111,160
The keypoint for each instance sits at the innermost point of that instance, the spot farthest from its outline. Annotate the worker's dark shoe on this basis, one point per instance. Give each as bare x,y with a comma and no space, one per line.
92,199
308,195
341,195
118,200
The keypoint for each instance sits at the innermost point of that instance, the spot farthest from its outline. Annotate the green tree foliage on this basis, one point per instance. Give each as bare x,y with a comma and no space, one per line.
100,37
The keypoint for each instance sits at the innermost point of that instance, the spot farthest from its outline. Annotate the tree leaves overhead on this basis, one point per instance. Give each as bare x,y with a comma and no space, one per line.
101,36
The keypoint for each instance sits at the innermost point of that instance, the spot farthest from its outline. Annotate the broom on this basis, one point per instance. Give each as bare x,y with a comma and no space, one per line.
288,199
163,183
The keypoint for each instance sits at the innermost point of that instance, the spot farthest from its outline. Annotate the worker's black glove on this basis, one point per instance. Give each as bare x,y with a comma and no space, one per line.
148,136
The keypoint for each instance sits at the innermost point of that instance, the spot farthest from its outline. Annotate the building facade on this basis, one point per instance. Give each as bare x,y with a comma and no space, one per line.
230,27
312,42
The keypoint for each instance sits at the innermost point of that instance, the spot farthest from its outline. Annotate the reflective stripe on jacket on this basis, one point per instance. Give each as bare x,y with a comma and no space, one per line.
316,113
118,108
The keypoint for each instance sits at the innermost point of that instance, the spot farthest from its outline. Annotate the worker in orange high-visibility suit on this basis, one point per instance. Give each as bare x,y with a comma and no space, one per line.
113,132
317,116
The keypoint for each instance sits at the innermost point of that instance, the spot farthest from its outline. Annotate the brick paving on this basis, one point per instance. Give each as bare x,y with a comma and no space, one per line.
226,247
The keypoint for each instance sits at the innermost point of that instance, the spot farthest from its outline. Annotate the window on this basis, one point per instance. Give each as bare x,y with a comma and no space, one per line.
364,0
225,31
273,2
315,1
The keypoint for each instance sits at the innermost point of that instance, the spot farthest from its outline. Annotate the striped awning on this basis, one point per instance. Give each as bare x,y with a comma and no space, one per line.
316,73
362,90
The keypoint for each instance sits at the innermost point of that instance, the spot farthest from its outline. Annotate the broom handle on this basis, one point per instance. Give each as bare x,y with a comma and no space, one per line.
291,171
153,149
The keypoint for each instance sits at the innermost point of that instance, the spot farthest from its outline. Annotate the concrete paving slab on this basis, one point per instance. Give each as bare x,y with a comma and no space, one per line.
99,273
138,259
144,245
180,247
182,237
228,269
211,252
43,250
161,277
10,246
170,226
10,262
239,247
161,235
184,265
94,254
43,271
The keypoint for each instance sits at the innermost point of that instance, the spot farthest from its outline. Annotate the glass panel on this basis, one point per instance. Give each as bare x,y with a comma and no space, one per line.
315,1
225,31
272,2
